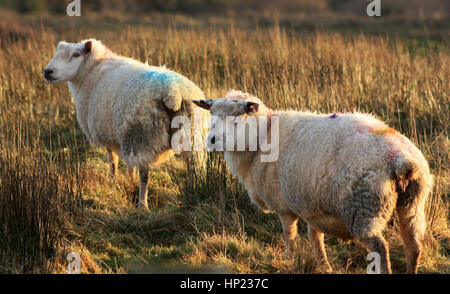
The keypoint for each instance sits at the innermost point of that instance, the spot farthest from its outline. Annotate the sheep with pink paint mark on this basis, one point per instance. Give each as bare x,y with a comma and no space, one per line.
343,174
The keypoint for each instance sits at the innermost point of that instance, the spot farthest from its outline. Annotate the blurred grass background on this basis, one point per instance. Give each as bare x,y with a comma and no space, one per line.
397,8
328,56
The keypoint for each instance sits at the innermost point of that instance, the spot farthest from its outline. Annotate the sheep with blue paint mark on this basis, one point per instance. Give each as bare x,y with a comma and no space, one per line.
343,174
123,104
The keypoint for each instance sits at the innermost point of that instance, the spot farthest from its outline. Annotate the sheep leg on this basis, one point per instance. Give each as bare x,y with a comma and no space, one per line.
411,240
113,161
316,239
378,244
143,175
289,222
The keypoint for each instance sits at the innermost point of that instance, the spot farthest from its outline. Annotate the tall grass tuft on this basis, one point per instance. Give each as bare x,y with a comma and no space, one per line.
211,181
37,200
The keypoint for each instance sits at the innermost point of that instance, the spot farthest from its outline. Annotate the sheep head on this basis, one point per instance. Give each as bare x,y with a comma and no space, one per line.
67,61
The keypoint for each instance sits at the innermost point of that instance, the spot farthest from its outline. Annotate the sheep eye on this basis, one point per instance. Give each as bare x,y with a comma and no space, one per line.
75,55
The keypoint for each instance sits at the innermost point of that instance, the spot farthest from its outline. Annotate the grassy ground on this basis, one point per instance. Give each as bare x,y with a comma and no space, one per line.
202,220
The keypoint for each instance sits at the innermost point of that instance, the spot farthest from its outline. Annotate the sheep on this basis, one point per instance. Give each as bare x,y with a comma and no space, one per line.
123,104
343,174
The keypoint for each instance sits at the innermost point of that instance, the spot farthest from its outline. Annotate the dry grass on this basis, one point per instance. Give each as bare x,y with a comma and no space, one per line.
204,219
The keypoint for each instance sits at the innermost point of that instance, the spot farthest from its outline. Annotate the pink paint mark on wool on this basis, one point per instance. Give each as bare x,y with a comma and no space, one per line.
391,155
362,130
383,131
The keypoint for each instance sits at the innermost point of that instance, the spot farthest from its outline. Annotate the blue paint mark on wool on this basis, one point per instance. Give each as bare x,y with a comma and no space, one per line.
162,76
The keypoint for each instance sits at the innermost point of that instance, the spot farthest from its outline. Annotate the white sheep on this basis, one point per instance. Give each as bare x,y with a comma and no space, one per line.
123,104
343,174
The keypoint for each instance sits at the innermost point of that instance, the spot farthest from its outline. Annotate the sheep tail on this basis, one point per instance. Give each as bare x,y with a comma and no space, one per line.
414,184
404,171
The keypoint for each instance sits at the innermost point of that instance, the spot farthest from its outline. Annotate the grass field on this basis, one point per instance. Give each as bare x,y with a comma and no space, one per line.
57,197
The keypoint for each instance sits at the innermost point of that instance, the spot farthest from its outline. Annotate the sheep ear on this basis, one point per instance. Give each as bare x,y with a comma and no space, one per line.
204,103
251,107
87,47
60,44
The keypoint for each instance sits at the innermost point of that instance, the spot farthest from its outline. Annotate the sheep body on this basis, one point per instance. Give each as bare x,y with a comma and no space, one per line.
343,174
347,166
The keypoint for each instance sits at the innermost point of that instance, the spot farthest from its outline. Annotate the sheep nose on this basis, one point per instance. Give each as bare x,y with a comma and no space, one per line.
48,72
213,140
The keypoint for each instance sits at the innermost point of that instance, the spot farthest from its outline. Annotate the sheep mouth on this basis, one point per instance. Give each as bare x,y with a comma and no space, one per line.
50,79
